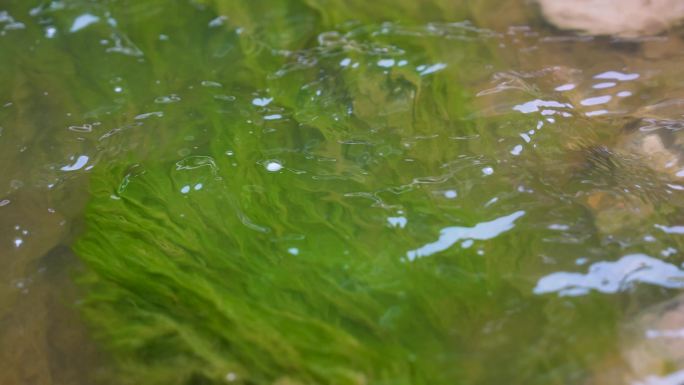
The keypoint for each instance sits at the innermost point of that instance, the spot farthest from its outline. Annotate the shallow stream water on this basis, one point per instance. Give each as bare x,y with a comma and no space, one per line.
312,192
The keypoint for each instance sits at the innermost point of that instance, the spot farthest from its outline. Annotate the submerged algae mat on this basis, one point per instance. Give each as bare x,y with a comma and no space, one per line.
300,192
288,241
264,253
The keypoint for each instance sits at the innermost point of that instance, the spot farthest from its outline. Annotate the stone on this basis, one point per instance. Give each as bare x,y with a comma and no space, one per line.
653,347
621,18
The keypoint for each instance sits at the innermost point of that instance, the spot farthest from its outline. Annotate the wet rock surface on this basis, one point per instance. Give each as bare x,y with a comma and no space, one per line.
650,341
43,340
654,344
30,227
624,18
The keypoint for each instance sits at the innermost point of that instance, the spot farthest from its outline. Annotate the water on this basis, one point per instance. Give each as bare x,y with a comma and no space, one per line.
304,192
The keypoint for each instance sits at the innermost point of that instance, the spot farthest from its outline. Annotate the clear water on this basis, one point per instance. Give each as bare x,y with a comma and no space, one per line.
433,192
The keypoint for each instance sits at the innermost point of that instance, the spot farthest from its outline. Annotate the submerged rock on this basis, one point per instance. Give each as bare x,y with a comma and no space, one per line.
42,339
650,350
624,18
29,229
636,170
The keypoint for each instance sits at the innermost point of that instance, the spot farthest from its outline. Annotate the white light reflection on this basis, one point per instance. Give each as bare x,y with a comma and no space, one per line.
451,235
426,70
565,87
81,161
537,104
399,222
671,229
167,99
50,32
615,75
217,21
613,277
262,102
596,113
83,21
211,84
596,100
158,114
600,86
274,166
676,378
653,333
386,63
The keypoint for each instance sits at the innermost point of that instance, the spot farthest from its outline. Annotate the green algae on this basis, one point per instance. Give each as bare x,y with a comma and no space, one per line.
208,267
192,279
263,171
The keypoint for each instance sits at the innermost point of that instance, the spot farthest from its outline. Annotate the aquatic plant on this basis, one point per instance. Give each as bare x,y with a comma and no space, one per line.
233,262
248,223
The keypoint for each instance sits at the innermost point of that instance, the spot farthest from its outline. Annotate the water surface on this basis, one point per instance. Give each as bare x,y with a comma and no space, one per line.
298,192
